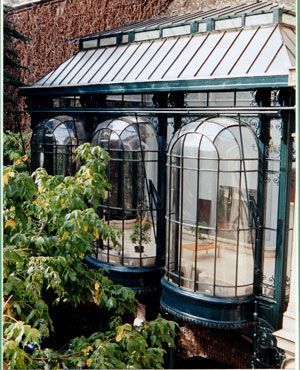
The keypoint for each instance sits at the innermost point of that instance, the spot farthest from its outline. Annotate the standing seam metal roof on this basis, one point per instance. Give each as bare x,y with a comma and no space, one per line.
246,52
194,60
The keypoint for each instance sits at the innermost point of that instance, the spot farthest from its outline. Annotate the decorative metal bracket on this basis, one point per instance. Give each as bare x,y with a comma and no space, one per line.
266,354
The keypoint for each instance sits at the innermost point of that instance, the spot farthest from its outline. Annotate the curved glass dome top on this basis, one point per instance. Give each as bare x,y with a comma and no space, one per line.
132,171
53,144
213,174
218,138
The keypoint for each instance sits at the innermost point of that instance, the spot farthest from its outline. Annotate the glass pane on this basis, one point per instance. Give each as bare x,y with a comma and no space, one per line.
134,100
244,98
196,100
132,172
268,278
245,263
210,241
54,142
226,263
220,99
228,146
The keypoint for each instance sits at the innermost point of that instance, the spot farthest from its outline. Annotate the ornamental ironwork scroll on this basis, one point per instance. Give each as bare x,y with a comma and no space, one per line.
266,354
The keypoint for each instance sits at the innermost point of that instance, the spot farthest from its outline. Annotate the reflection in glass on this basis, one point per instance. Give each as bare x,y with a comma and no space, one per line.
212,179
54,142
130,204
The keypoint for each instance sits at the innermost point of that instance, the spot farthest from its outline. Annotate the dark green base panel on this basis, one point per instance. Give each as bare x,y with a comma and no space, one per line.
145,281
213,312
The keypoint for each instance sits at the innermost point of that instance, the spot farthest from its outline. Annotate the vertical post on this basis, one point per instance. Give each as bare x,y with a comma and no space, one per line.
286,97
161,101
263,99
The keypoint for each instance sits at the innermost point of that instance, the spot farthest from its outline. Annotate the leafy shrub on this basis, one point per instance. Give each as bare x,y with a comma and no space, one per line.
50,223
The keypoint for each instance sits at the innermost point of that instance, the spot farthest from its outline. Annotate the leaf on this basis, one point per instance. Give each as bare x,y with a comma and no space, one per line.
65,235
18,161
88,349
5,178
10,223
89,362
96,233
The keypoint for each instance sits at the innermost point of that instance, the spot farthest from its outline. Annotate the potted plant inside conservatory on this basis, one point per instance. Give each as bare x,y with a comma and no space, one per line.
198,230
140,235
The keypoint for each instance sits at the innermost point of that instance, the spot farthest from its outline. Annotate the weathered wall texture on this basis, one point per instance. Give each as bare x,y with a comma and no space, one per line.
224,346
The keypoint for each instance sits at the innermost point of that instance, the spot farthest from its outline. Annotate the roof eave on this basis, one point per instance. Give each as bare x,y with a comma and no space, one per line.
233,83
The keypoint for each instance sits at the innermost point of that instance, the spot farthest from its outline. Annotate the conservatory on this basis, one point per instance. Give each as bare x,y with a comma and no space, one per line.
198,118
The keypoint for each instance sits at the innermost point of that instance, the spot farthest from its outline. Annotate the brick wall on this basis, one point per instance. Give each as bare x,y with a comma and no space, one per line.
228,347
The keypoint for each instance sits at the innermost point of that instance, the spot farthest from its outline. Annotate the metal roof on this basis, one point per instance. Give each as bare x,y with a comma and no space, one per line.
248,52
233,11
228,57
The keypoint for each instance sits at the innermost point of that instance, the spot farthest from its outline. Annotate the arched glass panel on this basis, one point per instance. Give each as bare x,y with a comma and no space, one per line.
53,144
212,179
130,204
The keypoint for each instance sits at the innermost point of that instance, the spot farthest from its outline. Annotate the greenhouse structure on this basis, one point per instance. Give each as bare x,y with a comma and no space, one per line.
198,116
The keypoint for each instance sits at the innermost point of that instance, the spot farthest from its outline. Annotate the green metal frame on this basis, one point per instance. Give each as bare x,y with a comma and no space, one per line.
263,98
288,120
270,309
217,84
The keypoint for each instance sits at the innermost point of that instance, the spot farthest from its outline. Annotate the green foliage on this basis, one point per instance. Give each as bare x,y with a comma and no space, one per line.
125,347
141,233
50,224
13,147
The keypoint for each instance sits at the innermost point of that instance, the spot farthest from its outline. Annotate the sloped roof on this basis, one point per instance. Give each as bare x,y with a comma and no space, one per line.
249,8
242,57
